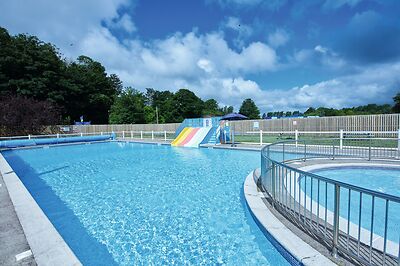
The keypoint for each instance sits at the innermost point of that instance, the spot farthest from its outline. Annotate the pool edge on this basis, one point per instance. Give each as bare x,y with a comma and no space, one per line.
47,245
286,239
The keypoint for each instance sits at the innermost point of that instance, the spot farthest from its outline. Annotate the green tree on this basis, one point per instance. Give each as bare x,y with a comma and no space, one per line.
396,99
227,110
164,102
249,109
187,105
128,108
149,115
211,108
34,69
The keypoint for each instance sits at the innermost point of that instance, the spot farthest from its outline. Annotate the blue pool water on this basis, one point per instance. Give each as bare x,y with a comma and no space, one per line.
386,180
128,204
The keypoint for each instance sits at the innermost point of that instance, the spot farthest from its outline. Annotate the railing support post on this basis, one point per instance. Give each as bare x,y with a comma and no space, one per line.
165,135
261,137
333,151
131,134
341,140
273,177
29,136
305,151
123,134
101,133
58,135
152,134
336,221
296,136
81,134
141,134
283,152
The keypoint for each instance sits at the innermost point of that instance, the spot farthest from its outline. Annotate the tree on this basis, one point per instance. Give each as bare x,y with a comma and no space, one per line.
22,116
396,99
210,107
249,109
227,110
164,102
149,115
34,69
187,105
128,108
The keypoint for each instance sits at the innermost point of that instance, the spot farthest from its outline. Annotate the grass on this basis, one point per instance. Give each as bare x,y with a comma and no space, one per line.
317,140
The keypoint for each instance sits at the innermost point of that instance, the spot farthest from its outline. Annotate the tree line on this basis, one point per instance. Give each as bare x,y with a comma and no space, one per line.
369,109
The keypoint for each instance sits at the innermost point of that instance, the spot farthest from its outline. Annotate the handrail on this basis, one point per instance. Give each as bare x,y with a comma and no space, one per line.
282,182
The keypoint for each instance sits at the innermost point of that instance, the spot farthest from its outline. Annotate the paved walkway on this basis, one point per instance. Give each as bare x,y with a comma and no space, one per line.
12,237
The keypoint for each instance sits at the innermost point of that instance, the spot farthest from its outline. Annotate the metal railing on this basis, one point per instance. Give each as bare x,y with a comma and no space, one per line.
362,225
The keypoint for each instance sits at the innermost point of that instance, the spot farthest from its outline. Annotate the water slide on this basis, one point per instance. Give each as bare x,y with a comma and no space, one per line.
191,136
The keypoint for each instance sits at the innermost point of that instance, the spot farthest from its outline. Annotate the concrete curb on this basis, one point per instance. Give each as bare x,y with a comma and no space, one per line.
300,250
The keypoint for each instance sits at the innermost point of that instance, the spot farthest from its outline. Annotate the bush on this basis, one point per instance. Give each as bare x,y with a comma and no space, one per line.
22,116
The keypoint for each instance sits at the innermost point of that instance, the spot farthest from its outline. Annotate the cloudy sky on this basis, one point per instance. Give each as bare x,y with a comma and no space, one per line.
283,54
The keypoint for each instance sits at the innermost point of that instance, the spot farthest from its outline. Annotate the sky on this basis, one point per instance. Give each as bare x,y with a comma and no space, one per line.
283,54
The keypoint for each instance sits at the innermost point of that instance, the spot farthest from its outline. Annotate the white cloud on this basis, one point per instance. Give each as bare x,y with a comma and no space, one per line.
334,4
376,84
60,22
321,49
278,38
320,56
124,22
243,31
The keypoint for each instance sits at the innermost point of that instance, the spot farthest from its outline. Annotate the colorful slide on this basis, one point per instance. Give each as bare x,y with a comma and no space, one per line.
191,136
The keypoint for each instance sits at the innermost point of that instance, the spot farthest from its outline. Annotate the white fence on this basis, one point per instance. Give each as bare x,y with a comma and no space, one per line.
261,137
144,135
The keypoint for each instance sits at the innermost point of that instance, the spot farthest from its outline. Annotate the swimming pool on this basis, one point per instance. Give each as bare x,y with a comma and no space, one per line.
386,180
123,203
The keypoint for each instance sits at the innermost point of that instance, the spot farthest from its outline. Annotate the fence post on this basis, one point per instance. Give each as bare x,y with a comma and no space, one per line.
123,134
81,134
58,135
398,139
261,137
341,139
165,135
296,136
131,134
29,136
101,133
141,134
369,149
152,134
336,221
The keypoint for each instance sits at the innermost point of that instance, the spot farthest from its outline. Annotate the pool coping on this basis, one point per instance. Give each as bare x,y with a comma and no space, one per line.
300,250
47,245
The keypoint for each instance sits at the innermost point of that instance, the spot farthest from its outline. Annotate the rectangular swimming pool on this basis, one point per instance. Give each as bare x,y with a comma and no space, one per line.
120,203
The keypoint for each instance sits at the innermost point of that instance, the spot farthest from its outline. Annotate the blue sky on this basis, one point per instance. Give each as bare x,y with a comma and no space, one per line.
283,54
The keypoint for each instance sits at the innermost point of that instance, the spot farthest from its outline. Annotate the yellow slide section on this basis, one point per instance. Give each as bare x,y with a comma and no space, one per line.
182,136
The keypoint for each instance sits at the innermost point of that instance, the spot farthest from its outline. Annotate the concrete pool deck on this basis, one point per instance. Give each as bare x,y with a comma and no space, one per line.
46,245
15,249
